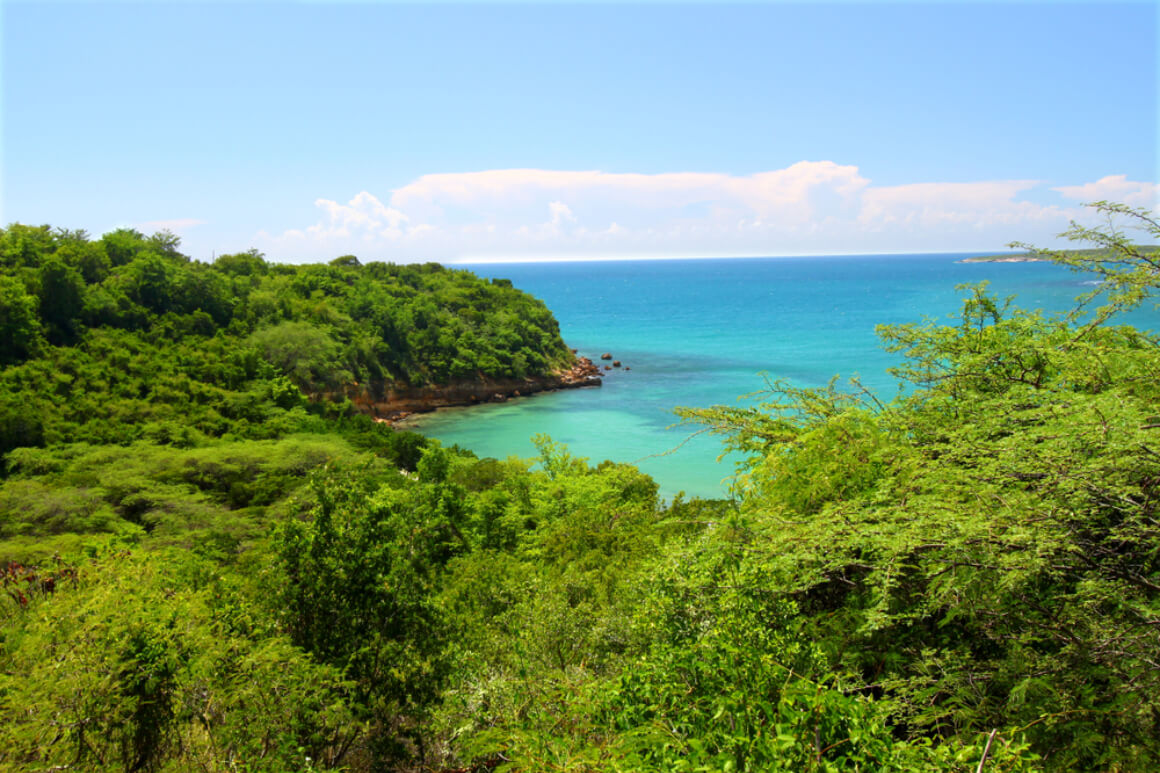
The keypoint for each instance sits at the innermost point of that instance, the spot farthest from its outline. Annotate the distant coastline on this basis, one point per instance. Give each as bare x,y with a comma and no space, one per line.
1020,258
1033,257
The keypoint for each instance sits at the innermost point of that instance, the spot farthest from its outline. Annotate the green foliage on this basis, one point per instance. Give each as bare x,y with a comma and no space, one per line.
981,553
60,288
23,246
179,684
118,332
1126,270
248,264
162,401
305,353
20,327
124,339
355,586
964,578
161,494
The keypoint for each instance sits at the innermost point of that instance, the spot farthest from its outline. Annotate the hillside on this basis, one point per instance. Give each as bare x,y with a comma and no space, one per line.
216,574
197,331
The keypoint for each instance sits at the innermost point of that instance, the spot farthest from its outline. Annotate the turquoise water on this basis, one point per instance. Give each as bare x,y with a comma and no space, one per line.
702,332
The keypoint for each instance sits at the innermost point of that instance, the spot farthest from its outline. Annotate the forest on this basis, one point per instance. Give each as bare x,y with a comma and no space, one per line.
211,561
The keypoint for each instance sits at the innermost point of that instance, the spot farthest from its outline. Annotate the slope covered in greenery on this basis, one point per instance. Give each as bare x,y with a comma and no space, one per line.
103,338
121,356
964,579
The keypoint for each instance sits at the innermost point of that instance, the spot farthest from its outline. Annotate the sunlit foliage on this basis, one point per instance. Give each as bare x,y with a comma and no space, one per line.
210,564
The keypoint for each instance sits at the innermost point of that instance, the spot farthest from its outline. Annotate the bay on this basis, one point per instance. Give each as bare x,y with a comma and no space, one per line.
709,331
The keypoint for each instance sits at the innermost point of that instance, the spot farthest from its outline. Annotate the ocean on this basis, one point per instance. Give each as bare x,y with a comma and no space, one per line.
711,331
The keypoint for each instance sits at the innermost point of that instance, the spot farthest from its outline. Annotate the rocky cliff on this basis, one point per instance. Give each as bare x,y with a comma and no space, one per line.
397,403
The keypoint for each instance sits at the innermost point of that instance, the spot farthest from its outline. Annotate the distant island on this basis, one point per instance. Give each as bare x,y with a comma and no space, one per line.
1034,257
1022,257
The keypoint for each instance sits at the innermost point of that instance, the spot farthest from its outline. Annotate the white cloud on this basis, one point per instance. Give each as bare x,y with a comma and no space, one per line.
560,213
364,213
811,207
1117,188
363,223
940,205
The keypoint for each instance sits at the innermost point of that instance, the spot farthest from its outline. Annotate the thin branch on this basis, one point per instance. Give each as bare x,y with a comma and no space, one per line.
986,751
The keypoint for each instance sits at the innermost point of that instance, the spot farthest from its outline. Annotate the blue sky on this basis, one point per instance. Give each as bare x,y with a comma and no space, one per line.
530,130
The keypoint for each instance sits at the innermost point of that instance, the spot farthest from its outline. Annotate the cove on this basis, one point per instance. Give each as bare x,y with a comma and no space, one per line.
707,332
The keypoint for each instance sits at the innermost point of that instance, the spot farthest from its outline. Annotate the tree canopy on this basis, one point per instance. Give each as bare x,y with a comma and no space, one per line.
212,572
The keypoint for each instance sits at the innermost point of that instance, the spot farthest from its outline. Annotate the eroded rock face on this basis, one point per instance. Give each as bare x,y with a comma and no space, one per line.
400,402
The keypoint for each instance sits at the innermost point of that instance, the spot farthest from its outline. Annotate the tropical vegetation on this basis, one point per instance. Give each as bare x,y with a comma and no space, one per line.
211,561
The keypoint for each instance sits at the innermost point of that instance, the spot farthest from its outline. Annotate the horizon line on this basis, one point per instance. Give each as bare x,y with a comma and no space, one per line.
629,258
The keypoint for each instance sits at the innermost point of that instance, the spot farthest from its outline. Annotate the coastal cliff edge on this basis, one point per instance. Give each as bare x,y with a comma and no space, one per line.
398,403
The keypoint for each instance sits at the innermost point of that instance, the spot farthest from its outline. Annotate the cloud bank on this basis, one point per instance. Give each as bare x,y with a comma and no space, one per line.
811,207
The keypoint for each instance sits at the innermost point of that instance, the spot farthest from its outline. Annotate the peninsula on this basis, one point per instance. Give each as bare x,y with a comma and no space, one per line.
1051,256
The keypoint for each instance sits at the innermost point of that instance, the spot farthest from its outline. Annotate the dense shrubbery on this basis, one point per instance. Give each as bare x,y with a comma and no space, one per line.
122,341
963,579
324,326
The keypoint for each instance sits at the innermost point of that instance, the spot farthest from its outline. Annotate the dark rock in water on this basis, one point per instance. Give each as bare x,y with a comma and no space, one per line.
606,356
616,363
608,367
627,368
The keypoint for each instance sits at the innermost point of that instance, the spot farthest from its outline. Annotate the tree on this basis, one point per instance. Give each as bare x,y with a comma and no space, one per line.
981,554
20,331
87,257
123,245
61,290
251,263
355,592
306,353
184,682
23,246
150,282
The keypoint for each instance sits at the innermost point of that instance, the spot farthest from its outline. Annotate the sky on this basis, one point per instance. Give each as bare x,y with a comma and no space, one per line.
495,131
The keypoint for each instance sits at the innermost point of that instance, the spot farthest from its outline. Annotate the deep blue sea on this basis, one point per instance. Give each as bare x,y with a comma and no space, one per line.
707,332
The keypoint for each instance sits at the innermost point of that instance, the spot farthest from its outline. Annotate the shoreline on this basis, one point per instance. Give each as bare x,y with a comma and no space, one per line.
1006,259
398,405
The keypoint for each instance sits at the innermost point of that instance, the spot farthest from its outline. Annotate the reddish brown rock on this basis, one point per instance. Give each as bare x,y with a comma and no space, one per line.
606,356
616,363
393,402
